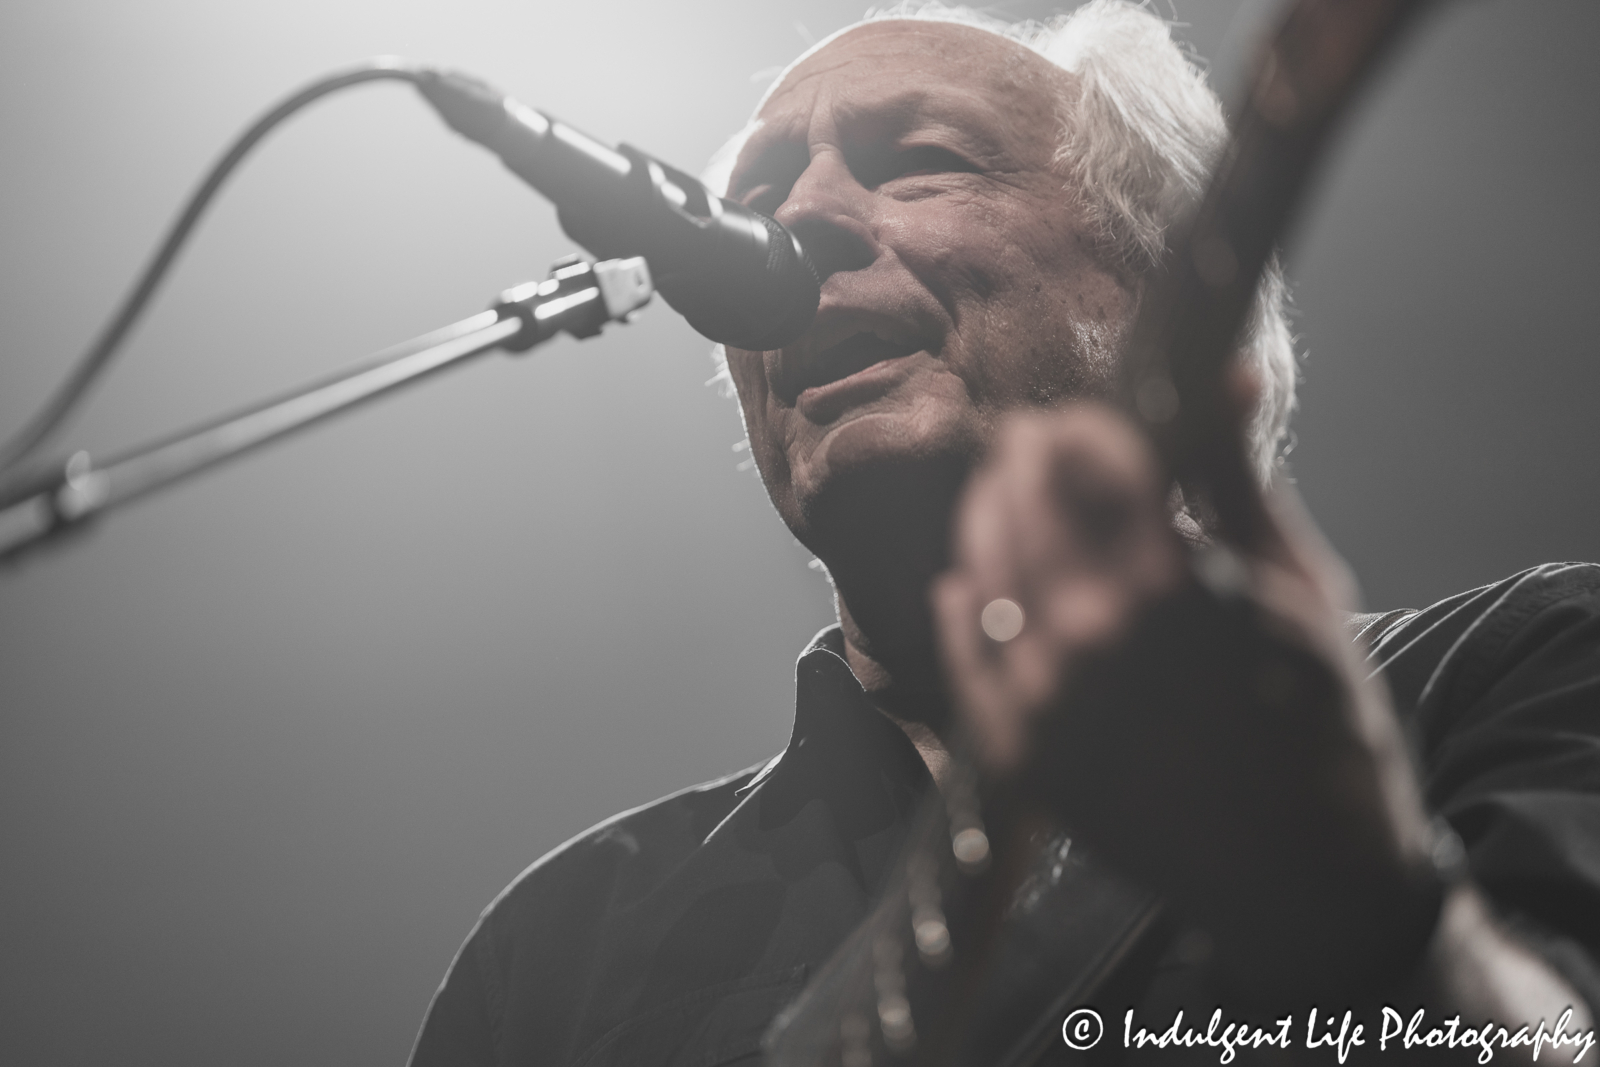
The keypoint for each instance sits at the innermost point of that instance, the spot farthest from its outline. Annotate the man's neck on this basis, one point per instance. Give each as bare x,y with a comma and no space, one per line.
907,688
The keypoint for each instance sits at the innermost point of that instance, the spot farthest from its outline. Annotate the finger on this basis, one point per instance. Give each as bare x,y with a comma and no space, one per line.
1053,477
1068,473
983,527
1035,663
1020,535
1120,504
1090,613
977,676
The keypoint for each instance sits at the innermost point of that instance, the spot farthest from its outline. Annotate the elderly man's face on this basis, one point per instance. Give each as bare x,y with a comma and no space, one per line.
915,161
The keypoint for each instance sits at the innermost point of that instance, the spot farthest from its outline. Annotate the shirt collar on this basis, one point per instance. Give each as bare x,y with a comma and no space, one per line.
834,714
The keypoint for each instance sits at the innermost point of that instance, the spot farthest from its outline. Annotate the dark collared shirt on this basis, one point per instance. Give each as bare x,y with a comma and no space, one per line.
671,935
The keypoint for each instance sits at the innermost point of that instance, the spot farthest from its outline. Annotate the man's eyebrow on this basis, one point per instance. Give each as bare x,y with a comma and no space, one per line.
774,153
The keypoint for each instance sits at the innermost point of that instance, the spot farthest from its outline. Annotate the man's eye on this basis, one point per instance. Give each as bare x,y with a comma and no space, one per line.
912,162
928,159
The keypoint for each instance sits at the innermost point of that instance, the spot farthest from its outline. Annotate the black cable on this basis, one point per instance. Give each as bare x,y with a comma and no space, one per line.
89,366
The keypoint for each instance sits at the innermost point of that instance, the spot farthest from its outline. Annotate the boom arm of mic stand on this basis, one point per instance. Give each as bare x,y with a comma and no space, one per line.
578,298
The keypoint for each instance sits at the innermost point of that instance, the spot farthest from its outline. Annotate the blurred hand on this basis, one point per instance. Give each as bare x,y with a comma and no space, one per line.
1198,716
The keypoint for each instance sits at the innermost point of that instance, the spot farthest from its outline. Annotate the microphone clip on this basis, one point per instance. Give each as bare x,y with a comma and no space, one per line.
579,297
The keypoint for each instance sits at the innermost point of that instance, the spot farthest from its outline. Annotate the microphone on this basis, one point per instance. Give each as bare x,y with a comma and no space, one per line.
737,275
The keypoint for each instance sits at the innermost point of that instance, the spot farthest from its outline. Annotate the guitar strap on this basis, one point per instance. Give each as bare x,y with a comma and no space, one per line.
1075,930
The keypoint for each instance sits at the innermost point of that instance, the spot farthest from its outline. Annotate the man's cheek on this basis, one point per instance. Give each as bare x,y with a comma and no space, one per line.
749,380
771,433
746,371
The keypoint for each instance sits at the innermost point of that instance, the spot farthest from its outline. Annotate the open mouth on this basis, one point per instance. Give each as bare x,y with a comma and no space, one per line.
855,353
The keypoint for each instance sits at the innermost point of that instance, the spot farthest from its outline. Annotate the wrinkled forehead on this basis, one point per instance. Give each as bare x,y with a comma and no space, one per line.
881,65
968,55
975,55
872,58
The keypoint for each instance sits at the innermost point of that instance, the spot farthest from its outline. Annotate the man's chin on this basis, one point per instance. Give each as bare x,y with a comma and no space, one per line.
877,499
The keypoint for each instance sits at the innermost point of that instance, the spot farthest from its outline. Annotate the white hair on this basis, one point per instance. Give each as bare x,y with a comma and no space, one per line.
1141,132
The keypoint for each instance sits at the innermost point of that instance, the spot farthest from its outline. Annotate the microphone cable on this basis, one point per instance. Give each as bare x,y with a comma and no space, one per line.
90,365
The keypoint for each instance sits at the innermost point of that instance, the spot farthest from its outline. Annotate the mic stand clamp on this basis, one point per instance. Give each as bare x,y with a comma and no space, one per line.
578,297
42,504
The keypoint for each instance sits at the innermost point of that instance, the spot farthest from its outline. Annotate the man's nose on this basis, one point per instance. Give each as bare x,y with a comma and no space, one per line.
831,213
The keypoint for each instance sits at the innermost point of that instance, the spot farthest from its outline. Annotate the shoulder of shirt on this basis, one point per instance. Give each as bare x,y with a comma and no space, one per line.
627,853
1415,649
1495,687
1534,588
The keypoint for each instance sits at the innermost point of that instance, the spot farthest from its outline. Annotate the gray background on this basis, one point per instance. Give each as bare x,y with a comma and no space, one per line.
270,741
